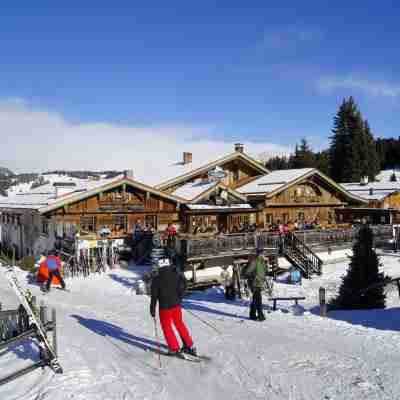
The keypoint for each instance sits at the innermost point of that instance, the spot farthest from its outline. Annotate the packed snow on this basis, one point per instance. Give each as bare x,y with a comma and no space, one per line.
108,349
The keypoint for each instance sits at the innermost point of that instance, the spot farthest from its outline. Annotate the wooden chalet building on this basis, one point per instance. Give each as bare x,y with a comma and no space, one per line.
55,216
195,195
382,199
297,195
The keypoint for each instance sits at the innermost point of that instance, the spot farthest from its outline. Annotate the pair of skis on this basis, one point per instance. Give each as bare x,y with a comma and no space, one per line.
188,357
44,344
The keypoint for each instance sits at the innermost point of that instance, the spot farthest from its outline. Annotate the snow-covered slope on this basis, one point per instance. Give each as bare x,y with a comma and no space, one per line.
107,347
385,175
46,178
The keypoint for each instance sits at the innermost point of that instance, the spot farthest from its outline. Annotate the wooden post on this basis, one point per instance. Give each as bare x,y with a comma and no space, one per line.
398,285
43,313
322,302
54,321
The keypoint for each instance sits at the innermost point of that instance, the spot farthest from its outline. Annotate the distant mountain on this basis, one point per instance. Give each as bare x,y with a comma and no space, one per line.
5,172
11,183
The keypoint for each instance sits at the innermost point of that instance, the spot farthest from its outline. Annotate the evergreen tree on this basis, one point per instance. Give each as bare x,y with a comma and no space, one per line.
363,272
340,146
373,164
303,156
393,177
352,151
322,161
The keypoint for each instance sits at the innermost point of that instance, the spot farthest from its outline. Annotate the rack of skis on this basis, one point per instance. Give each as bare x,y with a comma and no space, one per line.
87,261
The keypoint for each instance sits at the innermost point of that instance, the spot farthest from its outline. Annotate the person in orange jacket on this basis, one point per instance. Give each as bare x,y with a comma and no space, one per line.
53,263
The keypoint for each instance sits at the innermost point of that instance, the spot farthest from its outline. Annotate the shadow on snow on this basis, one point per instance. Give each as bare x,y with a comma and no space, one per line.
116,332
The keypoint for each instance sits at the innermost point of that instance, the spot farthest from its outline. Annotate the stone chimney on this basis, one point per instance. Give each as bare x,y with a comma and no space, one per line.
239,147
187,157
128,173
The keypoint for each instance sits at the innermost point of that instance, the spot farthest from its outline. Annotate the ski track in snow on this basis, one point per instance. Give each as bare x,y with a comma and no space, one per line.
104,330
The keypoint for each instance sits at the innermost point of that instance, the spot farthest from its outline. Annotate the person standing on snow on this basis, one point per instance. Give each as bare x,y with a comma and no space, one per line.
167,288
53,263
256,273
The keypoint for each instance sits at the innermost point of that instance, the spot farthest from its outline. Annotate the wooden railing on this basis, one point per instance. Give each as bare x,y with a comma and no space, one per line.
338,236
299,254
301,243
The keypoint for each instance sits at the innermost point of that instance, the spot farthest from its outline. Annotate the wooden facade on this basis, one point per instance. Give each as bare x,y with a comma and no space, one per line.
117,209
308,200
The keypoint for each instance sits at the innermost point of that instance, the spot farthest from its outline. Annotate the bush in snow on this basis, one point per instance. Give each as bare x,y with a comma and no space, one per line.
363,273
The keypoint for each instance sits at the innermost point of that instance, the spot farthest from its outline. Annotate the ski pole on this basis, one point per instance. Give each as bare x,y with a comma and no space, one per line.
204,321
158,341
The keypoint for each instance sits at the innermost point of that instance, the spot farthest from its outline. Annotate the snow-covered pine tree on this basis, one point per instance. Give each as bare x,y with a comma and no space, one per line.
393,177
362,273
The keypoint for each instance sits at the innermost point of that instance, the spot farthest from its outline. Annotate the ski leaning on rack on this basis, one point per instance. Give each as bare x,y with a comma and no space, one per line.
34,320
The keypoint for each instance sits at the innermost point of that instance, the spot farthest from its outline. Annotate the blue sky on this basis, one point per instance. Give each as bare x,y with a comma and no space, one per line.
230,70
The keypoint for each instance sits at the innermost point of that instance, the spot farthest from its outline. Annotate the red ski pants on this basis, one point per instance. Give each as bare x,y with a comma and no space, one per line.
174,315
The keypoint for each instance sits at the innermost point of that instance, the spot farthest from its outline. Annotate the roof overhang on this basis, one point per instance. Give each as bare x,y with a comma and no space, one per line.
329,181
218,185
230,157
73,198
213,209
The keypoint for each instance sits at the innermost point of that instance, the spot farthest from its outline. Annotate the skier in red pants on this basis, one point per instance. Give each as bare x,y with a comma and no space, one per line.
168,287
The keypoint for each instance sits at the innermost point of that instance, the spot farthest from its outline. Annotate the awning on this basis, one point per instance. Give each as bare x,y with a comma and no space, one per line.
214,209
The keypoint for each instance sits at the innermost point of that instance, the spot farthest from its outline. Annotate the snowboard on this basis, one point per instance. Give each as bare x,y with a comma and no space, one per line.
23,296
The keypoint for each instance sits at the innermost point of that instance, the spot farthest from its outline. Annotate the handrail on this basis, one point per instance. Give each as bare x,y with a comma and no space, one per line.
302,254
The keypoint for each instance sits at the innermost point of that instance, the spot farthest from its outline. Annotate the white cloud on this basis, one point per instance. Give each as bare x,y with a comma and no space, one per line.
373,88
37,140
290,37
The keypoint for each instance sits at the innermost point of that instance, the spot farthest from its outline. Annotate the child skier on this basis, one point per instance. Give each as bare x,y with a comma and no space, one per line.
168,287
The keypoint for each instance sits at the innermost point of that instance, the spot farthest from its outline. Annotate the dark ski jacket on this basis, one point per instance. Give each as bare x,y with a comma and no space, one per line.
168,288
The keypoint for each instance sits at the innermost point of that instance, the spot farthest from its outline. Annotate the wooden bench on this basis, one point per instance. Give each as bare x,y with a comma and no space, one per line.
295,299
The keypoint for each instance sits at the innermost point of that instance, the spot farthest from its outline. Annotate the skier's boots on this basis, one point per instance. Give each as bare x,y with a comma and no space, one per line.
189,350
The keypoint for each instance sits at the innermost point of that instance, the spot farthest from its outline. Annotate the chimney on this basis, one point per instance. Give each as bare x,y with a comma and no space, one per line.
128,173
239,147
187,157
364,180
62,188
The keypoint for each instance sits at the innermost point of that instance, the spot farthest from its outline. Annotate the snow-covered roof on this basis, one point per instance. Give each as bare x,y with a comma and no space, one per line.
46,194
176,171
198,207
273,181
191,190
372,190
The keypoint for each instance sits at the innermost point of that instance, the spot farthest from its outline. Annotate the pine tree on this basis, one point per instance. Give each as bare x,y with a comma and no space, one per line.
353,153
393,177
373,163
340,146
362,273
303,156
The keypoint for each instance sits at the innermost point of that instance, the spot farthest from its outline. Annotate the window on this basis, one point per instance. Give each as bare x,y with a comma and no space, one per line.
235,175
269,219
151,220
301,216
285,218
45,227
88,224
120,223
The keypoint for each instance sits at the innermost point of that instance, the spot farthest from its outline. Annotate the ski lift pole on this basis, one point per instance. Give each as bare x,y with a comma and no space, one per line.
158,341
204,321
